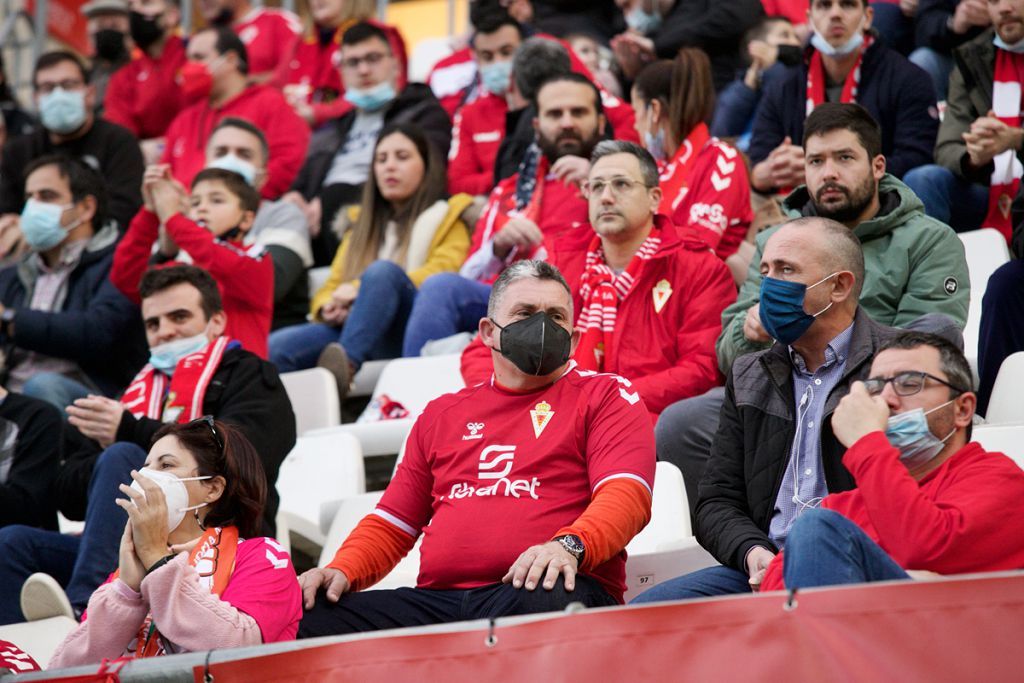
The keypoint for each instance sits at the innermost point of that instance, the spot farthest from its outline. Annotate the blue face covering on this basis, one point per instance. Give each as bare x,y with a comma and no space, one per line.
497,76
40,224
641,21
62,111
1016,48
371,99
235,163
165,357
909,432
824,47
782,308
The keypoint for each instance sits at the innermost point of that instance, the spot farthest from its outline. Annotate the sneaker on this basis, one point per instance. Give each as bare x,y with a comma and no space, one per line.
42,597
334,359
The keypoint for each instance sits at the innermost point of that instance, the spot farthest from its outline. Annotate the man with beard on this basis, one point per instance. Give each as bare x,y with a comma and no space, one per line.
543,199
915,270
268,32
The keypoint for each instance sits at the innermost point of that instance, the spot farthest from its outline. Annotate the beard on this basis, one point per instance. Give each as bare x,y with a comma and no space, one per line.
853,204
568,143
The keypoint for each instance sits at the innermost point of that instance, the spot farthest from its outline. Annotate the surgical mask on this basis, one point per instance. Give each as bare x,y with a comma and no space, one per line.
196,80
536,345
40,224
909,432
655,144
642,21
175,494
371,99
145,30
165,357
497,76
110,44
789,55
782,308
849,47
235,163
62,111
1016,48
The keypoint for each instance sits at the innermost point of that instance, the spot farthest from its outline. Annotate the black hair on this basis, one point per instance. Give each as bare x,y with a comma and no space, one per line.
571,77
83,181
364,31
830,116
247,195
156,280
48,60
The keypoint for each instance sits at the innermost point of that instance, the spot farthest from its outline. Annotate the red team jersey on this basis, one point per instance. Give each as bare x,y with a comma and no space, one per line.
494,472
269,35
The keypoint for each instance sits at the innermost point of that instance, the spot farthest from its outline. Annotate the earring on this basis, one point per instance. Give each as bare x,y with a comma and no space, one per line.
195,513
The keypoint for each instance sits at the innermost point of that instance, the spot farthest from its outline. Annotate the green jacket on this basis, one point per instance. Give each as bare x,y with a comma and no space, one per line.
914,265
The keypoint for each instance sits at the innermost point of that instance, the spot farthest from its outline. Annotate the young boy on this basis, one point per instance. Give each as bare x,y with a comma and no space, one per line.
220,210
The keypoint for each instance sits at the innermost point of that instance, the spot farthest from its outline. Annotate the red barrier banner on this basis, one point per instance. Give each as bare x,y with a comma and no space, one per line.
64,22
964,629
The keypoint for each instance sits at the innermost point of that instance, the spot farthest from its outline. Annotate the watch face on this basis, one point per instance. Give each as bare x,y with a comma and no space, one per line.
573,544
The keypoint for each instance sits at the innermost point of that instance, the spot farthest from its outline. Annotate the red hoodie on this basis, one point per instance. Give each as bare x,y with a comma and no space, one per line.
263,106
143,95
478,131
245,277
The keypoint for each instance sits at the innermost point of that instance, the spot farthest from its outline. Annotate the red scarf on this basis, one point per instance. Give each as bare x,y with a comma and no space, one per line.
144,397
816,78
1005,180
675,178
601,290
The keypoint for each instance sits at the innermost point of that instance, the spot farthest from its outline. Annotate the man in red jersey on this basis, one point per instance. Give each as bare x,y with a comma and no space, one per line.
526,488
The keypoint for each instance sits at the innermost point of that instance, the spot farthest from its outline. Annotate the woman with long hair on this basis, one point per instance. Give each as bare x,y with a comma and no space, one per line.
404,231
193,573
704,181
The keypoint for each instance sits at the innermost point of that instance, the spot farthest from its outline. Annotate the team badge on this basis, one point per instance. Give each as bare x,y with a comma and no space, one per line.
540,416
661,292
171,412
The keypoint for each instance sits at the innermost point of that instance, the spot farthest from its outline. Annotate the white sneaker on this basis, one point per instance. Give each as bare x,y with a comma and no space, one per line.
42,597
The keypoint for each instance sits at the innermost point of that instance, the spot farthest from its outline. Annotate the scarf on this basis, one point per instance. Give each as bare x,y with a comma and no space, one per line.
145,396
1005,180
601,290
675,178
816,78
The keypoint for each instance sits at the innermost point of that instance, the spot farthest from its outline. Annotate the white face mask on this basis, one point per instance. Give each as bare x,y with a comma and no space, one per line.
175,494
165,357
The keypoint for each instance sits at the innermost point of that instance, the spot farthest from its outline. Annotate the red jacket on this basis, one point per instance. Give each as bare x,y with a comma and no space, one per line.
316,67
478,131
668,356
143,95
269,35
245,276
287,135
961,518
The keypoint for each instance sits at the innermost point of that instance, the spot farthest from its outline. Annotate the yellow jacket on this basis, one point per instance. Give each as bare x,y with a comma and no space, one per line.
438,244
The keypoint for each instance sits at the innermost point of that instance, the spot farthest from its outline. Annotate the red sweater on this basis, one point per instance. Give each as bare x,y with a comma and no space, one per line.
287,134
245,277
143,95
963,517
478,131
667,355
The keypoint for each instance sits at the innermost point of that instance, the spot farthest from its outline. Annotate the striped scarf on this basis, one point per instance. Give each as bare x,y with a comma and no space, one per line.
601,290
816,78
1006,104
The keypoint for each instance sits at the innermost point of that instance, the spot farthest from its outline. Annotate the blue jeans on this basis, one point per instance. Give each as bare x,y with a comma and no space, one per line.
956,202
447,304
56,389
703,583
372,331
938,66
80,564
825,548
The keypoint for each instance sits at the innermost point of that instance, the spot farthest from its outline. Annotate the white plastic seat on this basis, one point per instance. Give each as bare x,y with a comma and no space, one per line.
318,472
314,397
365,380
1004,405
985,250
1006,438
40,639
425,55
317,277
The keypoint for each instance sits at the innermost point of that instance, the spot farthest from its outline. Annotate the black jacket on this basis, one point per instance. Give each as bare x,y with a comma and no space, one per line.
30,457
736,497
246,392
931,27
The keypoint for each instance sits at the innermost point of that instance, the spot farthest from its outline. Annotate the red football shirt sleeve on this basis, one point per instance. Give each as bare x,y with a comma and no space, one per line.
720,210
620,437
408,500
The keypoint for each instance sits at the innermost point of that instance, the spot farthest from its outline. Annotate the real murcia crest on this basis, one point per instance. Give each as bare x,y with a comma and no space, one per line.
661,292
540,416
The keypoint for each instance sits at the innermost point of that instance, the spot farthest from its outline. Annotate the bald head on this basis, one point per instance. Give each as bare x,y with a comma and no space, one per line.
832,245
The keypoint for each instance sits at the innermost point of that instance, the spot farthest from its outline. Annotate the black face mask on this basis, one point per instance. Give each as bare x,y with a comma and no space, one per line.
223,18
145,30
110,45
537,345
790,55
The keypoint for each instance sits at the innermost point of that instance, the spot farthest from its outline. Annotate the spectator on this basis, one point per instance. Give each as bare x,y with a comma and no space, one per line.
194,370
559,18
711,25
214,83
309,76
341,153
979,146
30,461
916,274
212,590
598,60
635,263
405,231
771,46
108,26
16,121
593,468
760,477
269,34
542,200
845,63
941,26
66,101
67,330
704,184
222,208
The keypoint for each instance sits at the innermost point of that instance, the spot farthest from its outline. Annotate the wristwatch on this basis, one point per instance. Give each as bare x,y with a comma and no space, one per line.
573,545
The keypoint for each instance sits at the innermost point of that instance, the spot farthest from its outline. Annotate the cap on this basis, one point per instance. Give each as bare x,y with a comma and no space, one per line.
95,7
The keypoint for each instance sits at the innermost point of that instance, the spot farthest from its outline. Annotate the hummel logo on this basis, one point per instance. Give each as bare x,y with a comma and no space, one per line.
474,429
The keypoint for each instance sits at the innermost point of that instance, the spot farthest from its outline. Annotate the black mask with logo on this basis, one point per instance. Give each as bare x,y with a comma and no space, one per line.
790,55
536,345
145,29
110,45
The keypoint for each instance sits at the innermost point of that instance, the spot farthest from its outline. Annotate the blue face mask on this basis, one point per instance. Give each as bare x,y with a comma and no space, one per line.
655,144
641,21
1017,48
232,162
371,99
782,308
62,111
909,432
40,224
497,76
849,47
165,357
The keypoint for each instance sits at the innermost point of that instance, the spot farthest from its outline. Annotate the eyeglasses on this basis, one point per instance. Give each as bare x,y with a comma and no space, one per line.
371,59
68,84
208,421
619,186
905,383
